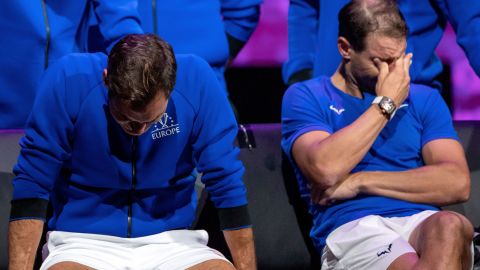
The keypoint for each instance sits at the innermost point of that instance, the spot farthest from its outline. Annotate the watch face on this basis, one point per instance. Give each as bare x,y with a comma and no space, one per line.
387,105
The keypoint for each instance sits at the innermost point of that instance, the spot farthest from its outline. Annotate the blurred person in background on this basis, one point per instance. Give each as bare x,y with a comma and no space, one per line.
37,34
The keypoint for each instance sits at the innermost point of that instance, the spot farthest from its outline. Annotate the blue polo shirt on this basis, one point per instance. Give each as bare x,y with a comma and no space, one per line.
318,105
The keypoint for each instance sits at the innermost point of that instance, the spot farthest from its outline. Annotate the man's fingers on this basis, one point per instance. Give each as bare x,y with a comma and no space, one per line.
407,62
322,202
316,195
319,196
326,202
383,68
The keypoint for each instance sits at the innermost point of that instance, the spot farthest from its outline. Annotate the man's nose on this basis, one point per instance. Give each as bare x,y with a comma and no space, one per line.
143,128
138,128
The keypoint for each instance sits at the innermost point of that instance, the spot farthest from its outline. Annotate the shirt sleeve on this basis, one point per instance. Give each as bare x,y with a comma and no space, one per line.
464,16
215,130
46,144
116,19
302,32
436,119
240,17
301,113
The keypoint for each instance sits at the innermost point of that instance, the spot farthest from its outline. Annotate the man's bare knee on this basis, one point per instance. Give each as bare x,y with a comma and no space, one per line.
452,222
443,241
216,264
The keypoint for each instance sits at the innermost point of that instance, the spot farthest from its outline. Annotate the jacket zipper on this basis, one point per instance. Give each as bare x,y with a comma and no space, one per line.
47,30
132,187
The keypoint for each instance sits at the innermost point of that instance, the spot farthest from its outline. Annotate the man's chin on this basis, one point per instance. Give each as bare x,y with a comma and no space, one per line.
134,133
369,87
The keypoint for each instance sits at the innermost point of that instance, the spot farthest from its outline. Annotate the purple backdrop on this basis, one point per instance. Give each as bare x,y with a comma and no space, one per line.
268,47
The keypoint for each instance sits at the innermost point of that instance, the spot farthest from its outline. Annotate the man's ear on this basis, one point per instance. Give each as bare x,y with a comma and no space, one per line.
344,48
104,76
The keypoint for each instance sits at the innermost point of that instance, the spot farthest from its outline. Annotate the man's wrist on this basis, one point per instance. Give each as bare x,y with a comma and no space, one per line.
358,182
387,106
380,112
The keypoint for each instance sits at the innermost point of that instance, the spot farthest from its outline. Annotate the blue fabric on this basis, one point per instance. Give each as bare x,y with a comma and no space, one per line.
200,27
24,37
317,105
313,33
74,150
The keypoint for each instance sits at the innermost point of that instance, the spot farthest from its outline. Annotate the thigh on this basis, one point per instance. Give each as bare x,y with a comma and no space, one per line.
444,238
186,249
78,251
366,243
450,222
405,261
213,265
70,266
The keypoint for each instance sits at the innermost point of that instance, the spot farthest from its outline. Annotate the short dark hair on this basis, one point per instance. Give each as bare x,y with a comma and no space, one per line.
139,67
359,18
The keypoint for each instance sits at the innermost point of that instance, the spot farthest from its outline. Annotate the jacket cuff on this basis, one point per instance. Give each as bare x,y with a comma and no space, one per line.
234,217
28,209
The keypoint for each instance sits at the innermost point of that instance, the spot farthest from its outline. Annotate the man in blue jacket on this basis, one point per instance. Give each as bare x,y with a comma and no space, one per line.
313,29
36,34
112,144
375,156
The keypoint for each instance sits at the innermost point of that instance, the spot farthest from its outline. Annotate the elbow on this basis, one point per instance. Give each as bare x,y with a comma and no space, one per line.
462,193
324,175
319,170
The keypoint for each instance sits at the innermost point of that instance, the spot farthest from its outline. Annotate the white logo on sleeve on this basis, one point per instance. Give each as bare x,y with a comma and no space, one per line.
166,126
338,111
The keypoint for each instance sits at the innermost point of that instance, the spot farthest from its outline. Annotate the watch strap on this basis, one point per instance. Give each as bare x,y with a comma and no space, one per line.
377,100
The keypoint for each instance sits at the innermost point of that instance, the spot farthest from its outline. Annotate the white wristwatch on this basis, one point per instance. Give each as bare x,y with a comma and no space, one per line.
386,105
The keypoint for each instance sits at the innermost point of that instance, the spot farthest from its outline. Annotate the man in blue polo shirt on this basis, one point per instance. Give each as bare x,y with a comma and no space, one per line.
375,156
112,144
313,31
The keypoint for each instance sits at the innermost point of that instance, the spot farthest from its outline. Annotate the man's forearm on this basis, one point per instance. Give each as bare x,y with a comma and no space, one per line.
23,238
440,184
334,157
242,248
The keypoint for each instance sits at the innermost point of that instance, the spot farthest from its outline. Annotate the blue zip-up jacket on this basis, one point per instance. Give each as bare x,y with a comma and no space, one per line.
201,27
102,180
35,34
313,33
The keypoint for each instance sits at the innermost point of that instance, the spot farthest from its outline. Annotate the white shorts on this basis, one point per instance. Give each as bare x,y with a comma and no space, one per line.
178,249
371,242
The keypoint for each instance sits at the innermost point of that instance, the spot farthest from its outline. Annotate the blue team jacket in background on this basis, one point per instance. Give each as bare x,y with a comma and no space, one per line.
198,27
75,151
35,34
313,33
201,27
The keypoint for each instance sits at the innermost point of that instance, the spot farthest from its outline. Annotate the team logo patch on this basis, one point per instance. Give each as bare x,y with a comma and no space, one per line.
165,127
